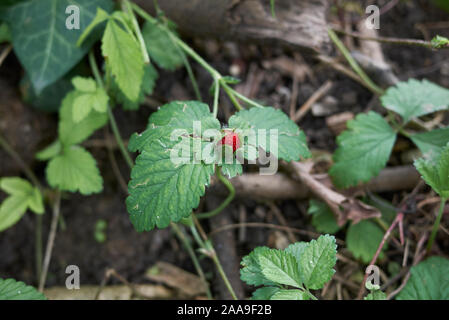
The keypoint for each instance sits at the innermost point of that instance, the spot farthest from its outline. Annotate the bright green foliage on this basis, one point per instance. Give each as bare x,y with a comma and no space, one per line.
317,261
363,150
363,239
74,170
439,42
11,289
301,265
165,184
435,172
429,280
432,142
123,58
150,76
160,47
100,230
323,219
231,169
50,152
291,142
88,97
415,98
44,45
71,132
375,292
22,196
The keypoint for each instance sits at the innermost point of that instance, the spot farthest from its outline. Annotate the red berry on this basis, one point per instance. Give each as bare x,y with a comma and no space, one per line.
231,139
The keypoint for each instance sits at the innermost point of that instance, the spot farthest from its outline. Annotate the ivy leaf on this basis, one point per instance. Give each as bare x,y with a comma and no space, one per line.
11,289
165,186
124,58
264,293
280,267
74,170
429,280
435,172
431,143
363,239
160,47
317,261
70,132
415,98
251,273
363,150
291,142
292,294
22,196
323,218
88,97
44,45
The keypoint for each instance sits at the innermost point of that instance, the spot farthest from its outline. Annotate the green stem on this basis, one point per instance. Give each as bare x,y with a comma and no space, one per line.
210,252
436,225
242,97
143,47
216,96
225,203
231,96
38,247
369,84
114,127
181,236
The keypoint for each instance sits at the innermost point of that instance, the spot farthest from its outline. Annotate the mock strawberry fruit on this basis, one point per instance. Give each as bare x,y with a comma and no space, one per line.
231,139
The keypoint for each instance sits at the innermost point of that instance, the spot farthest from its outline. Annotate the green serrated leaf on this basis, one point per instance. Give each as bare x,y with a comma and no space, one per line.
264,293
49,152
87,85
74,170
363,239
436,172
11,289
290,143
376,295
100,17
280,267
160,47
88,97
317,262
231,170
439,42
22,196
251,273
323,219
431,143
292,294
296,249
363,150
169,177
70,132
44,45
124,58
429,280
415,98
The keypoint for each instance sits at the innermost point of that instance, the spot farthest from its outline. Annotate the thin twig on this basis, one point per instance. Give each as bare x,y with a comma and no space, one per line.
51,240
317,95
5,53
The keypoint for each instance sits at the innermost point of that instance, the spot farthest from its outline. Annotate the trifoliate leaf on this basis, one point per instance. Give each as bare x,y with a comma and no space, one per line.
292,294
429,280
44,44
415,98
11,289
363,150
435,172
71,132
169,177
431,143
49,152
251,273
160,47
264,293
317,262
280,267
272,130
363,239
88,97
124,58
22,196
74,170
84,84
323,219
